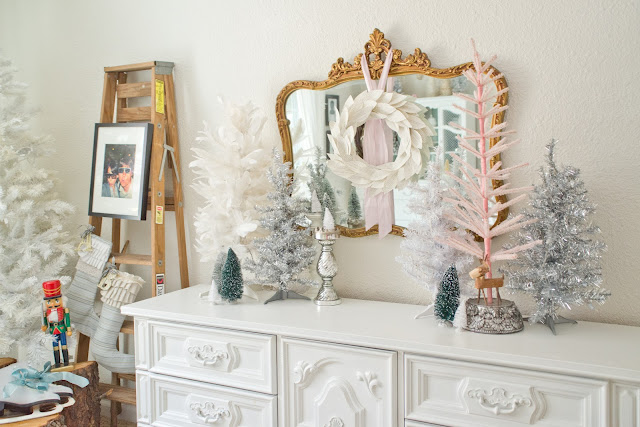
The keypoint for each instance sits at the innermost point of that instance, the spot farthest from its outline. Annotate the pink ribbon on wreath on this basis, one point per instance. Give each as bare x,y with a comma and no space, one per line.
377,149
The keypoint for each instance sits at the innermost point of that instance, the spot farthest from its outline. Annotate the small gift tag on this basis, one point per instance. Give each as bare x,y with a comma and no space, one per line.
107,279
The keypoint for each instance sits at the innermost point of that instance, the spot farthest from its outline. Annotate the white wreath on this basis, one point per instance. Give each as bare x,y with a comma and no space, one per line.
403,116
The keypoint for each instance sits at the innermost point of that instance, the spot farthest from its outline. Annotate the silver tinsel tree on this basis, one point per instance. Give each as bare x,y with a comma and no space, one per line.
565,270
288,249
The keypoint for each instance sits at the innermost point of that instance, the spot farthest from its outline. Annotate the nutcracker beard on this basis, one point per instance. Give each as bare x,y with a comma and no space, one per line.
56,315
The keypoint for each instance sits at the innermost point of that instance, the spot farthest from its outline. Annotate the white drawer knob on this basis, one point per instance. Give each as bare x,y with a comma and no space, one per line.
498,401
206,354
207,412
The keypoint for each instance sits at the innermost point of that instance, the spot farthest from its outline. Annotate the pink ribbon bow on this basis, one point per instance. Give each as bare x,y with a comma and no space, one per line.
377,149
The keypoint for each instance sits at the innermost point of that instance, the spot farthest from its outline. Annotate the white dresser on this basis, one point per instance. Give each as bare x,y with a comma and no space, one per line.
365,363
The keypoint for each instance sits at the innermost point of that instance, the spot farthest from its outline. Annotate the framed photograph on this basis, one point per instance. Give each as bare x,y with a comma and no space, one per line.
120,170
331,105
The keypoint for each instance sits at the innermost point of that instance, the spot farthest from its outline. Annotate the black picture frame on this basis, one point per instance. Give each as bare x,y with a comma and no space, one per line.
124,150
331,106
327,144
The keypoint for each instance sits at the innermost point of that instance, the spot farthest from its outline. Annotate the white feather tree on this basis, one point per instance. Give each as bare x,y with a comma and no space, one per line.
35,237
229,166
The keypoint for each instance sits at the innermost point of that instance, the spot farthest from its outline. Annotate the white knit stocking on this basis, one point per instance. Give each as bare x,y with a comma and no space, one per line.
121,290
82,292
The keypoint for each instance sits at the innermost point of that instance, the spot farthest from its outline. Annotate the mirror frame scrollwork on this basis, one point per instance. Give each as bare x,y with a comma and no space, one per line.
416,63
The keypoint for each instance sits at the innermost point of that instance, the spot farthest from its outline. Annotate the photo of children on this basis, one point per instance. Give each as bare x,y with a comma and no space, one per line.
119,167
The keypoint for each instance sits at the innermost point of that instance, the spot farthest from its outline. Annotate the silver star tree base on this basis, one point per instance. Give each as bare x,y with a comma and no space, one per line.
282,295
551,322
327,269
499,317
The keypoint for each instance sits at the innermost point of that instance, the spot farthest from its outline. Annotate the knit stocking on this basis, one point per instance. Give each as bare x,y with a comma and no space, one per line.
121,290
82,292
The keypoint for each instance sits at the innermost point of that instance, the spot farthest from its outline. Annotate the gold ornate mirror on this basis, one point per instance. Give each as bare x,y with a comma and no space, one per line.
305,108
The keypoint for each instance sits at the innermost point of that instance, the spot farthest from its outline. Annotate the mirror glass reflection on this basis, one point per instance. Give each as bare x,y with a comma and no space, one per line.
310,111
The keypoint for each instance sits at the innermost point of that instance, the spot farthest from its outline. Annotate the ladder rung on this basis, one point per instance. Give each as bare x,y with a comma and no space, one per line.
131,259
120,394
132,90
169,204
132,67
128,377
127,327
167,208
134,114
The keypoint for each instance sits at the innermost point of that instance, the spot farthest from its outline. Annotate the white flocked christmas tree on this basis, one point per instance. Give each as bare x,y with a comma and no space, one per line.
35,241
423,257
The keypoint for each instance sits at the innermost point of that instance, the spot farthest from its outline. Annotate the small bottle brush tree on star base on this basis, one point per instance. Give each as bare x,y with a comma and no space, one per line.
448,296
471,207
565,269
354,209
232,286
35,239
287,250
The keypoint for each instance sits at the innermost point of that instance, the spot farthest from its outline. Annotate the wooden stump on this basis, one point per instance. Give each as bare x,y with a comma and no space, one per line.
6,361
50,421
86,411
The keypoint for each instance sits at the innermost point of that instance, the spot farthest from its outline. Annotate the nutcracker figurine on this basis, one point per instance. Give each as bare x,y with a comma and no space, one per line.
56,320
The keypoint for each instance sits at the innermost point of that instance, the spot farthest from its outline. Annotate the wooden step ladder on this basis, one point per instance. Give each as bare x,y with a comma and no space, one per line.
162,113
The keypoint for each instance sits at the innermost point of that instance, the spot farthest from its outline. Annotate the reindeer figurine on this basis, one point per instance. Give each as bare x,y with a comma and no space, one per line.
482,283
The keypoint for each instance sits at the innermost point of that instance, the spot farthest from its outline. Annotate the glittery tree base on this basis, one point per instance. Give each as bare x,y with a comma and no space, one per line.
282,295
501,317
551,322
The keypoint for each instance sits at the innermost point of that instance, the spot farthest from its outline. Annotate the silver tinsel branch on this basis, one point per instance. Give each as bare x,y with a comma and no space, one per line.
288,249
565,270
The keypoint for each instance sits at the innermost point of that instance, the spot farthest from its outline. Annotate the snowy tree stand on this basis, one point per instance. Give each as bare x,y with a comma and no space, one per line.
501,316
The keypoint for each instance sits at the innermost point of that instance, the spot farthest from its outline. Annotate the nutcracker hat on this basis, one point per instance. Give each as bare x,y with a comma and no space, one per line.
52,289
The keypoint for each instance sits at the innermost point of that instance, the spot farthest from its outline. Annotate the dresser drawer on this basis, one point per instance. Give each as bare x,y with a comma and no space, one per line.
336,385
467,394
178,402
625,404
237,359
411,423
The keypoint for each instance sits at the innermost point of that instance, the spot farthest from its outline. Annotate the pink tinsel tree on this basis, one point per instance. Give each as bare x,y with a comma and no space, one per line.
471,206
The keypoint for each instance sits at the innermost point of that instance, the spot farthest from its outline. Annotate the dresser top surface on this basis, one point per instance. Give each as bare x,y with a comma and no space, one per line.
597,349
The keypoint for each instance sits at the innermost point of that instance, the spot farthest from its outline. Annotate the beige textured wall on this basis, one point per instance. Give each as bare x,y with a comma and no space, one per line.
573,68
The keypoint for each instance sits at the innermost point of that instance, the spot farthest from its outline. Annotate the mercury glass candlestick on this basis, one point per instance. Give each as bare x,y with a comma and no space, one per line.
327,267
316,222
